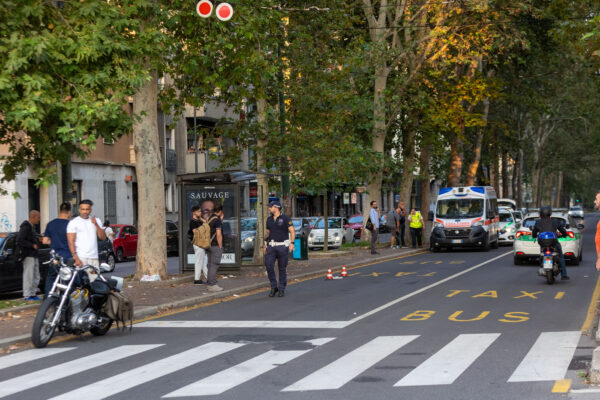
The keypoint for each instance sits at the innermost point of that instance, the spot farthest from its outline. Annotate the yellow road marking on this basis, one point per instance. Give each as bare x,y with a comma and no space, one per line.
559,295
408,262
456,262
528,294
404,273
587,324
562,386
429,274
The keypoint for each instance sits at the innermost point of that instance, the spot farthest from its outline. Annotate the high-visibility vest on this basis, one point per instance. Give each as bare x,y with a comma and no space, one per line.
415,220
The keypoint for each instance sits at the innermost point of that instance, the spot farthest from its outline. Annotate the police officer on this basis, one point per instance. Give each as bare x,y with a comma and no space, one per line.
279,242
547,224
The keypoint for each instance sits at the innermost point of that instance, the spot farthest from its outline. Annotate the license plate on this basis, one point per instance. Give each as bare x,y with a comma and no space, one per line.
456,241
547,263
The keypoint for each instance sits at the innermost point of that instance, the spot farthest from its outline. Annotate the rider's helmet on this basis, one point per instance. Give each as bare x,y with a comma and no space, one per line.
545,212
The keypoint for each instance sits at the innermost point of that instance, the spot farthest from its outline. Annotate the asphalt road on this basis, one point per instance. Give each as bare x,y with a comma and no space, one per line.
457,325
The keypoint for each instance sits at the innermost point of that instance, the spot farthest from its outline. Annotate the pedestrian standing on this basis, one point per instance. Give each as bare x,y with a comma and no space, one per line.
597,206
56,236
280,236
110,234
83,233
402,223
392,221
215,252
415,221
28,243
200,260
374,218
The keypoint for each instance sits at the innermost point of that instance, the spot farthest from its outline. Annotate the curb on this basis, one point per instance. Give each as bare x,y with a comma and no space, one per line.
146,311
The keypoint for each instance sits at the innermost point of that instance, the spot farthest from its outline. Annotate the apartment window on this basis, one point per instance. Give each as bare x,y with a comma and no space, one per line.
108,140
76,196
110,201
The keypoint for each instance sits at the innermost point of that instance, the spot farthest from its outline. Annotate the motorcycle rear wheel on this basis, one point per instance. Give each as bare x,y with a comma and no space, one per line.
103,329
550,277
42,331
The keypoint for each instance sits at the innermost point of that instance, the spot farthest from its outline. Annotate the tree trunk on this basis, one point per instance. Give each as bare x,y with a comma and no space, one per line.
520,180
559,187
262,211
505,180
513,181
425,191
496,181
474,166
325,223
151,257
456,161
408,163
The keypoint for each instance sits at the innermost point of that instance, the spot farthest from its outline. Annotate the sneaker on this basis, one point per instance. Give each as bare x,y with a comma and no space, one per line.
215,288
32,298
565,278
198,282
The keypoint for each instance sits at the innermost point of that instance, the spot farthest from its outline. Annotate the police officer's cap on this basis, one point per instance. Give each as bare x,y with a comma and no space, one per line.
275,204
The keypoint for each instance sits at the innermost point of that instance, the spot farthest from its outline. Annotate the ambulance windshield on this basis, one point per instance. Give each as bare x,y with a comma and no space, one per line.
459,208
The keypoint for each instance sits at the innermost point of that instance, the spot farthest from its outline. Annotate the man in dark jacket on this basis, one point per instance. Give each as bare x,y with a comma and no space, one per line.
28,242
547,224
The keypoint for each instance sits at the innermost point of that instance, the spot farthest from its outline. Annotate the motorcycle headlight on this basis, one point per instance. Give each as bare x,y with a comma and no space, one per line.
65,273
438,225
478,223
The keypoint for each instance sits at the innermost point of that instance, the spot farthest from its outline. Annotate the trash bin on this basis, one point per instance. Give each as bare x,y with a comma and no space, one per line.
300,249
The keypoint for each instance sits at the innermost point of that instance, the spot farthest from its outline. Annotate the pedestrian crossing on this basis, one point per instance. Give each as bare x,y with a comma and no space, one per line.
547,360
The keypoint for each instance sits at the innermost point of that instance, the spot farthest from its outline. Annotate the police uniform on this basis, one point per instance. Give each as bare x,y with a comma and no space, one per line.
277,249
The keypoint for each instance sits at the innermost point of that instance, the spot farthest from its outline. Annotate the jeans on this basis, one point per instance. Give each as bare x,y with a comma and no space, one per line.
374,235
415,236
401,235
561,259
200,263
281,255
214,260
50,278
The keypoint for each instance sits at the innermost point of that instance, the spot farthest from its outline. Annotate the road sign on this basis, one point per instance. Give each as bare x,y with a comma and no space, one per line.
204,8
224,11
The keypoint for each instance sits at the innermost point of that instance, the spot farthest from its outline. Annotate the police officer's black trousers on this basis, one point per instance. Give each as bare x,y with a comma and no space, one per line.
279,253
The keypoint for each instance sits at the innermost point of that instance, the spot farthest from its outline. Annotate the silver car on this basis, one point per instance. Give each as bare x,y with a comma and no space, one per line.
576,212
339,232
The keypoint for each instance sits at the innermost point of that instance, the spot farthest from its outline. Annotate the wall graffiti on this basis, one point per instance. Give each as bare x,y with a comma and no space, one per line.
5,225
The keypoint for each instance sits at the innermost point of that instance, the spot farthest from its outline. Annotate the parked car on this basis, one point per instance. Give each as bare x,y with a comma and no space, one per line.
508,226
302,226
11,271
526,247
172,238
356,223
576,212
338,229
125,242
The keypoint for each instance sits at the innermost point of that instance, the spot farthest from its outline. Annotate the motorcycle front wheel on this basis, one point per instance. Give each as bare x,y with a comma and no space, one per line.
101,330
42,331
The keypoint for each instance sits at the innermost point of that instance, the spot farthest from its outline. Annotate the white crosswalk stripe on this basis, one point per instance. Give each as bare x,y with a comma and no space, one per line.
549,357
60,371
346,368
30,355
146,373
445,366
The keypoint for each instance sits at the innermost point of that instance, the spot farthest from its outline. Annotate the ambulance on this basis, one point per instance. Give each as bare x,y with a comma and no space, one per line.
465,217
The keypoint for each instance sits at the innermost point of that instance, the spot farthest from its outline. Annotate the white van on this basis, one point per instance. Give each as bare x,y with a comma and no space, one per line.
510,203
465,217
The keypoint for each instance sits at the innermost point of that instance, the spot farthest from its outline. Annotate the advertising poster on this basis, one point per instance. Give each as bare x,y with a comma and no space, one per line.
207,197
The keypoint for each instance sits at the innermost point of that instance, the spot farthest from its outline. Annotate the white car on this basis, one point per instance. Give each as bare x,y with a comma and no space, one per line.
339,232
508,226
576,212
526,247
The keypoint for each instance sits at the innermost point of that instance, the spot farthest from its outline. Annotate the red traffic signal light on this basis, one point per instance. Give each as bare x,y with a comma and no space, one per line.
224,11
204,8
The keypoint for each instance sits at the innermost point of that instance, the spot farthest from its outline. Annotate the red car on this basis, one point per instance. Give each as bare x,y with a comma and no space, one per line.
125,242
356,223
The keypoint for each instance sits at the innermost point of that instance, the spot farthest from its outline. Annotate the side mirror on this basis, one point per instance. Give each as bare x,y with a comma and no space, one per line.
104,267
126,235
580,226
430,216
531,228
8,252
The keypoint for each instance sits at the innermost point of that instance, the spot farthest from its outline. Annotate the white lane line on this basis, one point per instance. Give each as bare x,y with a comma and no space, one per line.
346,368
245,324
60,371
30,355
305,324
445,366
549,357
146,373
416,292
238,374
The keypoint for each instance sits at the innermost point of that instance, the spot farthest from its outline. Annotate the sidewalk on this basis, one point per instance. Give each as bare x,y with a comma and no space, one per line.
152,298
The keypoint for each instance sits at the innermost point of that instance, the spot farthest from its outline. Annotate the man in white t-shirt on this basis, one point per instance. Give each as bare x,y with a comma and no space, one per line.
82,234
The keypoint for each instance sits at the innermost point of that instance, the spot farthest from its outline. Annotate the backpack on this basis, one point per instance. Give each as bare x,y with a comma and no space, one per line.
119,308
202,236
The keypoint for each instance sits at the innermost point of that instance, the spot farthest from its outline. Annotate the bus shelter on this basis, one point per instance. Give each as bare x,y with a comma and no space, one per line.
238,194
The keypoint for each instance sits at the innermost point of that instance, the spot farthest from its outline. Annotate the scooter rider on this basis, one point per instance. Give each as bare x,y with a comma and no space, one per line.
547,224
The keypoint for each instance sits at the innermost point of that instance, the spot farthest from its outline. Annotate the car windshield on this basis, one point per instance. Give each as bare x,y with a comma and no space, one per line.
249,224
530,222
459,208
2,239
297,223
357,219
506,217
331,223
576,208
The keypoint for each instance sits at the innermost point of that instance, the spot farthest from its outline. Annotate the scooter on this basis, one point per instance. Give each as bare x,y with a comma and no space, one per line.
549,256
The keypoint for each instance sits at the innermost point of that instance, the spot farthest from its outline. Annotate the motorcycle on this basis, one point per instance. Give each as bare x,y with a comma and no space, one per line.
74,304
549,256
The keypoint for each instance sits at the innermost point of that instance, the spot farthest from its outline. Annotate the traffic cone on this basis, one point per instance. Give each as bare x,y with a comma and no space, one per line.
329,274
344,272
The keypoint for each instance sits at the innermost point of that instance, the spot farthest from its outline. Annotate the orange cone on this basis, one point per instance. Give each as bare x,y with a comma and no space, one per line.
329,274
344,272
